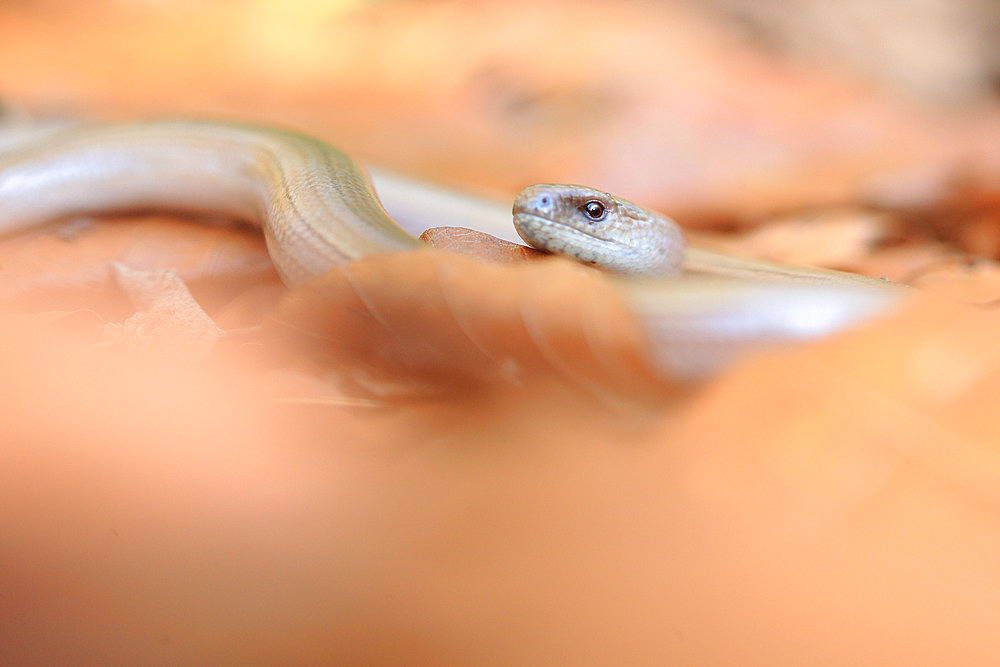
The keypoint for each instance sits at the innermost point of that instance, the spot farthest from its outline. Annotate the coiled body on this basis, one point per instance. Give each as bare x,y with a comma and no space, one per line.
318,209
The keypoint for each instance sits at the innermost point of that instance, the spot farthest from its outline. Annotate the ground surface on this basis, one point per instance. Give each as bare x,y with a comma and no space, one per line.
490,471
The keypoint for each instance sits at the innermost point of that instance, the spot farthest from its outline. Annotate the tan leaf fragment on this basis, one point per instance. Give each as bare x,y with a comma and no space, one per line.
471,242
834,238
168,317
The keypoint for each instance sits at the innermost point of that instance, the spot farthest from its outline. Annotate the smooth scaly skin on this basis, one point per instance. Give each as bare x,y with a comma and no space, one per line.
318,210
635,241
316,207
625,238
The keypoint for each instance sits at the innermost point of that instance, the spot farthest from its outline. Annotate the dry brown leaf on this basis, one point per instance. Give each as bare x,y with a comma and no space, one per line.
972,281
833,238
431,320
53,269
980,236
249,307
842,489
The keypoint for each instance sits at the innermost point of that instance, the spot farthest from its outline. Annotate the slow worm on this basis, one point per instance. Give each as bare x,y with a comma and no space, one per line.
318,209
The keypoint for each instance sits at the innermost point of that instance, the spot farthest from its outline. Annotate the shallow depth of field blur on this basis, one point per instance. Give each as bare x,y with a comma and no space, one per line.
176,487
727,108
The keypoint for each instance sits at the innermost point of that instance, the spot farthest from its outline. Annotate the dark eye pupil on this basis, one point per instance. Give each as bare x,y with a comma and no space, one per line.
594,210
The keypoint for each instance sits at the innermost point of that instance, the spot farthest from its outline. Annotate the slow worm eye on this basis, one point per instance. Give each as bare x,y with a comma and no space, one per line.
594,210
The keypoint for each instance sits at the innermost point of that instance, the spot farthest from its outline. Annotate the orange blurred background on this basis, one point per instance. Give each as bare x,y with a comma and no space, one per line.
515,486
727,108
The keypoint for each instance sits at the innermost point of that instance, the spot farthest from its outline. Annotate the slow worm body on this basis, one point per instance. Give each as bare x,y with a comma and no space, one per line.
318,209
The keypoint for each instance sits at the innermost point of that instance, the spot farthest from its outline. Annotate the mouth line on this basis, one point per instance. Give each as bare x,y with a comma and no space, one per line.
577,230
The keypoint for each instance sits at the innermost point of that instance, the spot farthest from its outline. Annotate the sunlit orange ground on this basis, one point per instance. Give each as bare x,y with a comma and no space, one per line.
437,458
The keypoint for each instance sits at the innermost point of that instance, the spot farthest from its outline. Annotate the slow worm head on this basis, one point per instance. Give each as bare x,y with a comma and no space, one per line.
597,228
